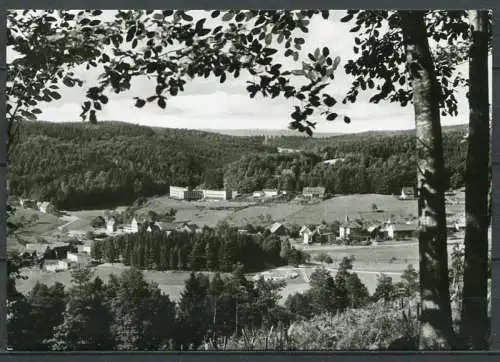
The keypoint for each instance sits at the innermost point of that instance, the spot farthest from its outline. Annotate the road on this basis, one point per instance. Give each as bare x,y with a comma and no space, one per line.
70,220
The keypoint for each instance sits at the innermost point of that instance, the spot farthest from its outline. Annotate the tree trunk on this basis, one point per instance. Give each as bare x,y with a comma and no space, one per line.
436,331
474,327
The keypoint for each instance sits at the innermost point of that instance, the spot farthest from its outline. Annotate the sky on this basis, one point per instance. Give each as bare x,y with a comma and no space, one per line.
207,104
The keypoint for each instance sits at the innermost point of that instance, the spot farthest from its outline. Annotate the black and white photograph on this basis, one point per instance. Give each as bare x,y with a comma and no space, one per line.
249,180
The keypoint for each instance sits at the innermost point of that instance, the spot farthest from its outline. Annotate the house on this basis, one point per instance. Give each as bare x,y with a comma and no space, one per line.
165,226
55,265
270,192
309,234
277,229
84,249
28,203
376,231
134,226
407,193
111,225
258,194
349,227
401,231
188,228
77,257
46,207
314,192
333,161
218,194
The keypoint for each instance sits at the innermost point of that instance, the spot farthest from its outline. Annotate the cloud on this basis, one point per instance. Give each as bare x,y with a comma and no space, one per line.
206,103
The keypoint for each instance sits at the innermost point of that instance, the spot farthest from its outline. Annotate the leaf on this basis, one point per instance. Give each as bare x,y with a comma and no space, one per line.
215,13
140,103
336,62
97,106
329,101
95,22
55,95
161,102
347,119
269,39
300,41
326,52
281,37
187,17
134,43
298,72
347,18
240,17
331,116
36,111
103,99
227,16
130,34
309,132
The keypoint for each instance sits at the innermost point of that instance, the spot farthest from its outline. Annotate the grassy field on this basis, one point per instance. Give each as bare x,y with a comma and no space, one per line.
43,227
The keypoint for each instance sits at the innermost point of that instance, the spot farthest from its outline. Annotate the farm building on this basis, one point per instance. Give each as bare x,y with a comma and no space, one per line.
407,193
277,229
258,194
165,226
313,192
270,192
349,227
86,248
309,234
184,193
28,203
55,265
218,194
287,150
400,231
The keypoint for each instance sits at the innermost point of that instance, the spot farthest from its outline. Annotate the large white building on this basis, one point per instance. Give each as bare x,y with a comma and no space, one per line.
218,194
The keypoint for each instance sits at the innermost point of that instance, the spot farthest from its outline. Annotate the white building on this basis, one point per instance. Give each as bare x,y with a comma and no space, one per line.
55,265
258,194
270,192
72,256
177,192
134,225
217,194
308,234
45,207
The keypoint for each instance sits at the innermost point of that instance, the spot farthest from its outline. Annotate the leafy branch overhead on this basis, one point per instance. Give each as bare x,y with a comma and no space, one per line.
172,47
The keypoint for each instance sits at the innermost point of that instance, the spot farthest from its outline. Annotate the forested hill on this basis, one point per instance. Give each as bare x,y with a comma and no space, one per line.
79,165
370,162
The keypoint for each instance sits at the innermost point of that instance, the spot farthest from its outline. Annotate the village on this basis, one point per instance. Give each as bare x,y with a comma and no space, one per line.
68,247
